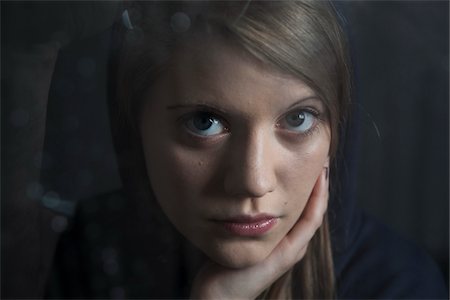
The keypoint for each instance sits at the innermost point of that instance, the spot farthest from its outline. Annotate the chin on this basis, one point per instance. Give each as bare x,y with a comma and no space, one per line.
237,263
239,255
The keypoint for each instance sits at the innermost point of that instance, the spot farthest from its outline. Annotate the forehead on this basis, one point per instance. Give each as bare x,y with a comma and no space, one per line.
216,69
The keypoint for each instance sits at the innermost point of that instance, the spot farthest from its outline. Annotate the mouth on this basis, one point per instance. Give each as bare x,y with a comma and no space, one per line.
249,226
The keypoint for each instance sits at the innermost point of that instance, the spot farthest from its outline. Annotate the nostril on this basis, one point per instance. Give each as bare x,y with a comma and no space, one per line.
249,184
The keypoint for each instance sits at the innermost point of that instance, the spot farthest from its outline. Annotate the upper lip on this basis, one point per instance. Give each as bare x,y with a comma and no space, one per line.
248,218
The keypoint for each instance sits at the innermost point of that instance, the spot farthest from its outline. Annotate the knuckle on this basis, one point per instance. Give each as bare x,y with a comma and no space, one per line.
301,253
287,261
317,224
316,220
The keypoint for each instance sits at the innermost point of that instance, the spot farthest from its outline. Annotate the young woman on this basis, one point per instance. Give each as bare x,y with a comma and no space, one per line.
229,120
238,108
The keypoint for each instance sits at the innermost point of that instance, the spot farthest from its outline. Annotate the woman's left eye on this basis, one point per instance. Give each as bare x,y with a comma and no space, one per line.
299,121
204,124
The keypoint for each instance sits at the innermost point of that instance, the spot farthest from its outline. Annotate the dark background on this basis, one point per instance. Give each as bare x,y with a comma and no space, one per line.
401,60
400,51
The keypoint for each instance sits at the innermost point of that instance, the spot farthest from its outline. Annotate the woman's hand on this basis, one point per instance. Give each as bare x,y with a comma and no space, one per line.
217,282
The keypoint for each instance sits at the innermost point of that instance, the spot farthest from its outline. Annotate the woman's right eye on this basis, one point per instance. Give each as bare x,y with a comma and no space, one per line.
204,124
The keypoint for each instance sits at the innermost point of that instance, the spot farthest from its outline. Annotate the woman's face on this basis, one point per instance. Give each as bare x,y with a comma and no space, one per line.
233,149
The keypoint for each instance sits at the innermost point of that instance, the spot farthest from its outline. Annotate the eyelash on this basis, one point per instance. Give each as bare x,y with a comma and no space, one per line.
189,117
317,115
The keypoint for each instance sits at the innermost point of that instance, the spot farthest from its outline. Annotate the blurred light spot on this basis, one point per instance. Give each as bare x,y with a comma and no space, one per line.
126,20
117,293
180,22
19,117
51,200
109,257
35,190
66,207
109,254
86,66
110,267
59,224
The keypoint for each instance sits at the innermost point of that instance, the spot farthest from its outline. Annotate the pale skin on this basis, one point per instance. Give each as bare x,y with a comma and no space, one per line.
226,135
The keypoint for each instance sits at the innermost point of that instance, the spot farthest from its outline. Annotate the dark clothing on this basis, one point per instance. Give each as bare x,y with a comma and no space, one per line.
379,264
115,250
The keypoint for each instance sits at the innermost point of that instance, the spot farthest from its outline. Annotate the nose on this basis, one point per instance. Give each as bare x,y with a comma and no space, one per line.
250,171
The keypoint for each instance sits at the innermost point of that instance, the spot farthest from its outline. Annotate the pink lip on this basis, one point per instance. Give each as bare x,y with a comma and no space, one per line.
250,226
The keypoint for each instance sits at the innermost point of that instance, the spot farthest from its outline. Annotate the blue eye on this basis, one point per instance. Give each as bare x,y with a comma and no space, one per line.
300,121
204,124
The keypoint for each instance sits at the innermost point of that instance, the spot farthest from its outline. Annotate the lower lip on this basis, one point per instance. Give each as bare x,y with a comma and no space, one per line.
250,229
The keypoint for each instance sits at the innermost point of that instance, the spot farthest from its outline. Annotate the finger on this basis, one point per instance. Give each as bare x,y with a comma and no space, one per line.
312,216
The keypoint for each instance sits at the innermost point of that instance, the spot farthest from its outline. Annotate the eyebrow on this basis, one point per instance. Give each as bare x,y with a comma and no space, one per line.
207,106
312,97
215,107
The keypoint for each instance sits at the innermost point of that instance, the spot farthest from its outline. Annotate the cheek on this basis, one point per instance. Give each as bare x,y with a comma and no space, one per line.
178,177
303,168
300,172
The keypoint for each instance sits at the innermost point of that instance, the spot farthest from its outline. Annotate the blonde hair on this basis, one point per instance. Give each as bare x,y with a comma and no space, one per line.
301,38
